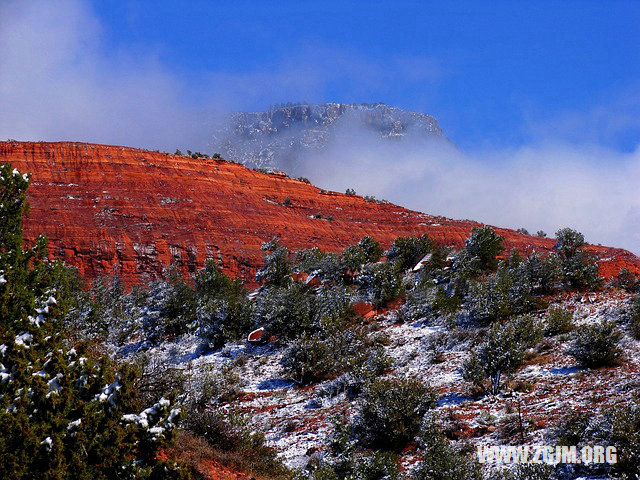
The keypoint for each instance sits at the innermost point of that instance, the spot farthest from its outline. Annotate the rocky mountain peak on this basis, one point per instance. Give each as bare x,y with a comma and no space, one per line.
277,137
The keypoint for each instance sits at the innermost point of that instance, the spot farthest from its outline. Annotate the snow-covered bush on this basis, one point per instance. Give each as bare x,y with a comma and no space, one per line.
308,259
626,281
441,460
483,247
380,283
345,461
170,308
579,269
596,345
572,428
333,302
219,320
424,302
489,300
444,462
214,307
568,242
435,267
277,266
558,320
529,331
541,273
102,310
618,425
372,363
328,268
464,267
287,312
477,258
419,304
390,413
178,307
20,283
337,347
223,311
375,466
505,293
107,314
445,303
309,359
513,289
406,252
337,268
65,412
501,353
367,250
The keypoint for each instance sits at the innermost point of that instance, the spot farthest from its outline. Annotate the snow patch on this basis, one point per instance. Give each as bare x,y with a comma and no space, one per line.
24,339
108,393
146,417
5,375
75,424
48,443
54,385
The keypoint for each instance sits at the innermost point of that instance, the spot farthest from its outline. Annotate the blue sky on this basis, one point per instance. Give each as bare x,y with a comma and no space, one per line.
541,99
489,71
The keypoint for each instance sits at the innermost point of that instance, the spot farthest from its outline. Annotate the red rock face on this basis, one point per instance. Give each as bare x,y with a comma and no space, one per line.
108,209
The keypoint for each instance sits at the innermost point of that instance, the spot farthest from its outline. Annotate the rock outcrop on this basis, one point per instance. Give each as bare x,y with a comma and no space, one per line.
281,136
110,209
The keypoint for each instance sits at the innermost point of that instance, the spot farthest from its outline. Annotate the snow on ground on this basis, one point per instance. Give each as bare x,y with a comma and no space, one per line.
297,420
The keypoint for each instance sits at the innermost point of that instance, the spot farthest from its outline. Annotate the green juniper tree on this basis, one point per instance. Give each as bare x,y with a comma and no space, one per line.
367,250
277,267
405,252
579,269
64,413
484,245
501,353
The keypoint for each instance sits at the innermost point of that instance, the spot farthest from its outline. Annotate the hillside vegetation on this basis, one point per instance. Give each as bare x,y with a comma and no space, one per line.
372,364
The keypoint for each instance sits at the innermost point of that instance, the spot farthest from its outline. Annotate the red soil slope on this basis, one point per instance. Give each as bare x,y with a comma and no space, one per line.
109,209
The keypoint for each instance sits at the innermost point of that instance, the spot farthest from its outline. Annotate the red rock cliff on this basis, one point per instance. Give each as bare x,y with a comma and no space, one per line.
108,209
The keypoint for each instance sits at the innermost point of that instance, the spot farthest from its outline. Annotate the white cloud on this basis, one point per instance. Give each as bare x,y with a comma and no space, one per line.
544,186
611,120
59,81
